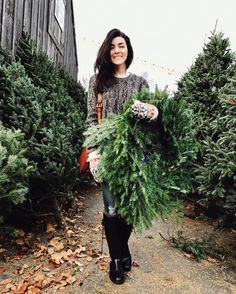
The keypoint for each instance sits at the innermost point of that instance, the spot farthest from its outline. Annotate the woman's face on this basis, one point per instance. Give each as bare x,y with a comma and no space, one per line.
118,51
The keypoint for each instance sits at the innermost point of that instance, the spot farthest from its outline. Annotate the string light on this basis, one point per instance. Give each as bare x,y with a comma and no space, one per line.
169,71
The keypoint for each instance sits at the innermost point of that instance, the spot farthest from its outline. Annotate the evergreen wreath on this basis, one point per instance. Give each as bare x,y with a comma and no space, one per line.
146,165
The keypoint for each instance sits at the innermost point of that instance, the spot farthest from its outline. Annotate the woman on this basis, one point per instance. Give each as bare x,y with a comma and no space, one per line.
116,85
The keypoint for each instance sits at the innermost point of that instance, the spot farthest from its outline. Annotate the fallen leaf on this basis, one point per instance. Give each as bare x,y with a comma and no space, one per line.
38,267
46,269
52,264
135,264
67,277
33,290
71,279
51,251
149,237
210,259
69,252
79,264
72,221
103,256
81,255
24,266
20,233
80,205
72,242
50,228
70,233
39,277
65,274
187,255
5,281
89,258
61,285
57,257
19,242
97,228
22,287
2,269
55,242
79,250
60,257
93,252
15,257
39,253
10,287
2,250
103,265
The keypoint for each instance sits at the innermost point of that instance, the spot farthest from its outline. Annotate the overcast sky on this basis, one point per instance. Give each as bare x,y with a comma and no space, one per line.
166,35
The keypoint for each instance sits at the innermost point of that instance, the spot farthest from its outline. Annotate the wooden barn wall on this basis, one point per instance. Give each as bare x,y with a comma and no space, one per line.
37,18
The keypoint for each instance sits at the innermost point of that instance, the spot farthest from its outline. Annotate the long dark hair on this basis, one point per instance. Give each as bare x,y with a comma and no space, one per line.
103,65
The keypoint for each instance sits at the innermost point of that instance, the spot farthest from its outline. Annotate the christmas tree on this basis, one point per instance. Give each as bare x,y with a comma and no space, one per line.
14,169
204,88
34,98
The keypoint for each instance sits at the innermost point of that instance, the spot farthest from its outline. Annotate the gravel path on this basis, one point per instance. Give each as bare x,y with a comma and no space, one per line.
162,268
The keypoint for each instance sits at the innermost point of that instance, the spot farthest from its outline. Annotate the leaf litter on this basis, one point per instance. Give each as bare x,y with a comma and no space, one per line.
55,259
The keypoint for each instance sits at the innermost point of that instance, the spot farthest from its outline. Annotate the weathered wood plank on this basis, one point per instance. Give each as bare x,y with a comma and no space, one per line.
27,16
69,53
34,20
40,23
18,22
7,24
45,25
37,17
1,16
54,29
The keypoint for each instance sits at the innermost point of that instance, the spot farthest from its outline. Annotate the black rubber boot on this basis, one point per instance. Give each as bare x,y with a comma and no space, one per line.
116,273
114,241
126,230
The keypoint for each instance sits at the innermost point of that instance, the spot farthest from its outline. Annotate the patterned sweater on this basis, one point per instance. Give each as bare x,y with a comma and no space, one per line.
114,98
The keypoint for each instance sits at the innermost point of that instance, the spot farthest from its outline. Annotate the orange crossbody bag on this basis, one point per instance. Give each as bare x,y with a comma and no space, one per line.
83,157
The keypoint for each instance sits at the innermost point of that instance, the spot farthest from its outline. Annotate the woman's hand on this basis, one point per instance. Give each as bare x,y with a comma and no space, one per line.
93,160
144,111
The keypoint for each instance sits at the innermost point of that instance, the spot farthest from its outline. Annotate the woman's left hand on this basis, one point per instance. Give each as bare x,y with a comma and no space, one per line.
144,111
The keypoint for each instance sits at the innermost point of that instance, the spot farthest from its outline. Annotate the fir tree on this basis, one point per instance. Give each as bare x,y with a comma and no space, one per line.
51,120
201,84
14,169
214,121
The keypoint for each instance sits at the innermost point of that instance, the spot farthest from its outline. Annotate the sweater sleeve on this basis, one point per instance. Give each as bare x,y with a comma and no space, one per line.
91,104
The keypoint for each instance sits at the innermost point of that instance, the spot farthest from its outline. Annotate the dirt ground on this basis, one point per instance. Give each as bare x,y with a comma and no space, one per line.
158,266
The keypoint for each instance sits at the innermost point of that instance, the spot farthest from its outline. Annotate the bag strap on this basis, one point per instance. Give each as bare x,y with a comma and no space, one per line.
99,108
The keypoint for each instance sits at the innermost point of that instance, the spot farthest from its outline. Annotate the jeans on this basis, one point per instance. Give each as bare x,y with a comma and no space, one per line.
110,206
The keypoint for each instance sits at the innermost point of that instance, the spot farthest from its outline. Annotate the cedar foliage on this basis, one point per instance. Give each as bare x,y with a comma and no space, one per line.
205,88
146,164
